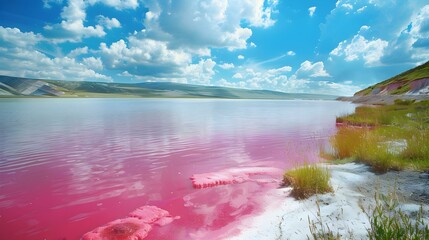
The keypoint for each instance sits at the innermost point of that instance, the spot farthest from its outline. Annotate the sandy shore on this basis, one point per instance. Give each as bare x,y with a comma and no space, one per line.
343,210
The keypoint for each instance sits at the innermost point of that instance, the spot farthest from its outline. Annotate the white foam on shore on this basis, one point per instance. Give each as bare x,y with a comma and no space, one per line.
341,210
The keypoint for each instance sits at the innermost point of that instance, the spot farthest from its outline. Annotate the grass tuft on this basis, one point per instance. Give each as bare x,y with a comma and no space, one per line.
388,221
307,181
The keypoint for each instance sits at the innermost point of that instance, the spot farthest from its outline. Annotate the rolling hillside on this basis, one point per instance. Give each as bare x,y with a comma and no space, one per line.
23,87
412,82
412,85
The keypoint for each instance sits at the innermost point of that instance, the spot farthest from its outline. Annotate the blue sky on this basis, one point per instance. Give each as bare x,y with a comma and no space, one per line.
331,47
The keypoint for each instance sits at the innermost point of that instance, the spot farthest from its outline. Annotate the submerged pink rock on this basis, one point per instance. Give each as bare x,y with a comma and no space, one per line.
149,214
120,229
234,175
134,227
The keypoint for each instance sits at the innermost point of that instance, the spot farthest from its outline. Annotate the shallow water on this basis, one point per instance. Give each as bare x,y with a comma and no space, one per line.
68,166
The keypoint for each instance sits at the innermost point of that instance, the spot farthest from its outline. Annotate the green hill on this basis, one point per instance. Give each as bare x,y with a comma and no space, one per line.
22,87
413,81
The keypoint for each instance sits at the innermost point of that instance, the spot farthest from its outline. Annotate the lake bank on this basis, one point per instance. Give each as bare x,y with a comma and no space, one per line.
342,210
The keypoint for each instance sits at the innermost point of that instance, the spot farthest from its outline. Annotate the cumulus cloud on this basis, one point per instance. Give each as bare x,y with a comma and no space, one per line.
72,27
19,57
237,75
309,69
281,70
118,4
109,23
333,88
20,62
226,66
142,56
291,53
412,44
241,57
200,73
77,52
207,23
360,48
14,37
311,11
93,63
274,79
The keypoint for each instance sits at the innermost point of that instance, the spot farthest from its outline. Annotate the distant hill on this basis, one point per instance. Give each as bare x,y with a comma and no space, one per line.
411,84
22,87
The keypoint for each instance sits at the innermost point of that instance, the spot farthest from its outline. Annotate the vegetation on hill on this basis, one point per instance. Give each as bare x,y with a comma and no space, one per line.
12,86
403,80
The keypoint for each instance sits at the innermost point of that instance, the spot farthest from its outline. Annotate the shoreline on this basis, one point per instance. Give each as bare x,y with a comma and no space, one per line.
343,210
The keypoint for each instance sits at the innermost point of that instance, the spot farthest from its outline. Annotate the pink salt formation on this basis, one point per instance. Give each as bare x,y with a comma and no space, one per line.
135,226
235,175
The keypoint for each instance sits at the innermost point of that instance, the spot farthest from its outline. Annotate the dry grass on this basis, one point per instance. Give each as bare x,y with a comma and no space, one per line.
394,124
307,181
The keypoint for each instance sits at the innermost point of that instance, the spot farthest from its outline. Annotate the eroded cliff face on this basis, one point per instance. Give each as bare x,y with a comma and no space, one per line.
409,85
415,87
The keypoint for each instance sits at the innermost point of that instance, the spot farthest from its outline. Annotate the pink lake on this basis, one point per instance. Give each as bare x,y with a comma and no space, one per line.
68,166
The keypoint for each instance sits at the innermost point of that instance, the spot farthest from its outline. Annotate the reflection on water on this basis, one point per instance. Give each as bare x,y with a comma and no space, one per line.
70,165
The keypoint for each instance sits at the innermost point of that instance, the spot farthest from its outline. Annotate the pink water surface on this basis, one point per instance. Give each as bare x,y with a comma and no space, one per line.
68,166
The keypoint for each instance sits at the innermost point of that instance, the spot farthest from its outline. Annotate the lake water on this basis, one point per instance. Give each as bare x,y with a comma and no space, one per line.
68,166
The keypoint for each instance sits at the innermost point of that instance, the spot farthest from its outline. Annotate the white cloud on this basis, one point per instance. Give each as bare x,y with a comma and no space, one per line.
240,57
291,53
342,89
360,10
274,79
226,66
77,52
47,3
19,57
237,75
311,11
125,74
14,36
364,28
21,62
207,23
200,73
281,70
109,23
144,56
412,44
252,44
72,26
347,6
117,4
309,69
371,51
93,63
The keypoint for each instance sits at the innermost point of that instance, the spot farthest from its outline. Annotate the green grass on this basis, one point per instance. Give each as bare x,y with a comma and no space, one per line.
397,138
307,181
388,222
405,78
